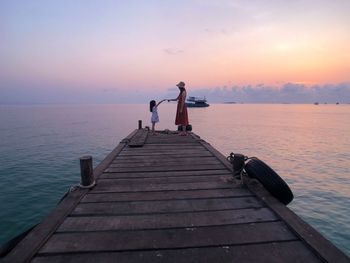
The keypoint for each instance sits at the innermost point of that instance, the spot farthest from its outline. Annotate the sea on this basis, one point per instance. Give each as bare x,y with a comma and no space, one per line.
307,145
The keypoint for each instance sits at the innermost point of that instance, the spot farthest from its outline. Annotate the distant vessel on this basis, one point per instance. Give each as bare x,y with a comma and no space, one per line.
196,102
315,103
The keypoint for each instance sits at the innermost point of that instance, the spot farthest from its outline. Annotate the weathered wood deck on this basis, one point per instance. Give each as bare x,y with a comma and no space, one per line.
171,200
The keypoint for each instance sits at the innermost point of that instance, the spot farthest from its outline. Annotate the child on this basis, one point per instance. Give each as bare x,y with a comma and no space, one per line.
153,108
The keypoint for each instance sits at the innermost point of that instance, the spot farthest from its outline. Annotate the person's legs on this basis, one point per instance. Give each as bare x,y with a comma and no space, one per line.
184,132
153,125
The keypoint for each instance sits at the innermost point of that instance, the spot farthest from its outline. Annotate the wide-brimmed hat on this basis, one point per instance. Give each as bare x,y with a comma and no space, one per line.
181,84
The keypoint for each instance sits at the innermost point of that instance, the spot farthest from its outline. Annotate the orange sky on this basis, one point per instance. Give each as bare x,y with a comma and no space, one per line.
133,45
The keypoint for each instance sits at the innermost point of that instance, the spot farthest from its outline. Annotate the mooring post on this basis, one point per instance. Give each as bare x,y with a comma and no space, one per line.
140,124
86,172
238,165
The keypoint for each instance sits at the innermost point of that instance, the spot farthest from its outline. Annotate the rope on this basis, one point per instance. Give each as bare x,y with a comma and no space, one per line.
79,186
87,186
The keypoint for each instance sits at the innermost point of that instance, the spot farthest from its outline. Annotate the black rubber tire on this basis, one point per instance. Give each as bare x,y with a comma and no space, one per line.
269,179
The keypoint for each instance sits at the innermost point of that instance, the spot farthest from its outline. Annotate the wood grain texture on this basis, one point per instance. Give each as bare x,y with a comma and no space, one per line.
169,238
160,187
162,221
166,206
168,168
286,252
171,198
166,195
163,162
111,175
165,180
312,238
139,139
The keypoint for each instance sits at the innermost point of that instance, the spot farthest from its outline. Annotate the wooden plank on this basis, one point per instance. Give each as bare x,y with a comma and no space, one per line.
167,156
161,187
99,169
153,159
170,154
164,174
165,195
164,180
183,152
163,142
149,153
164,164
166,206
160,163
166,160
170,141
164,155
166,168
217,154
162,221
199,147
139,139
169,238
192,142
169,138
286,252
166,147
175,145
307,233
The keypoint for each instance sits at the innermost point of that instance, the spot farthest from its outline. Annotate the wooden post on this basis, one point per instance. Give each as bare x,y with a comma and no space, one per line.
86,171
140,124
238,165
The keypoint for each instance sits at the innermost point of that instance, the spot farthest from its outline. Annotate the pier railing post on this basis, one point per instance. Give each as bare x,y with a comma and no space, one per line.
140,124
86,172
238,162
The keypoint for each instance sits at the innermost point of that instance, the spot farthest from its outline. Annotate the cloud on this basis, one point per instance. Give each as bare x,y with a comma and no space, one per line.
172,51
260,93
286,93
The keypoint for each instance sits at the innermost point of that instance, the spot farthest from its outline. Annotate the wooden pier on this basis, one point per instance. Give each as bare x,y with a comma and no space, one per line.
171,198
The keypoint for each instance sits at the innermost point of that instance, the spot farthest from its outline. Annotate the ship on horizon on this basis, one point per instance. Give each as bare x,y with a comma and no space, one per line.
196,102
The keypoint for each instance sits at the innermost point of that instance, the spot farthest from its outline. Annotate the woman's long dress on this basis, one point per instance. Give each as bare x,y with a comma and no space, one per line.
181,118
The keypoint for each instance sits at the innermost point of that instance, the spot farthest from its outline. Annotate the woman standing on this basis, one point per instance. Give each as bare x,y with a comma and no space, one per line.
181,112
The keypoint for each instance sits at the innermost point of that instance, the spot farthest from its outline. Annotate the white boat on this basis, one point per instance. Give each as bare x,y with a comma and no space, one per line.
196,102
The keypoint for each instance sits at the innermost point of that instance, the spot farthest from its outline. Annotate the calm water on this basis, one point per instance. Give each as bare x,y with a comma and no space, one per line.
308,145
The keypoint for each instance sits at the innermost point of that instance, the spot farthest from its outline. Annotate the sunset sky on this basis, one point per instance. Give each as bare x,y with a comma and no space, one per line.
53,51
